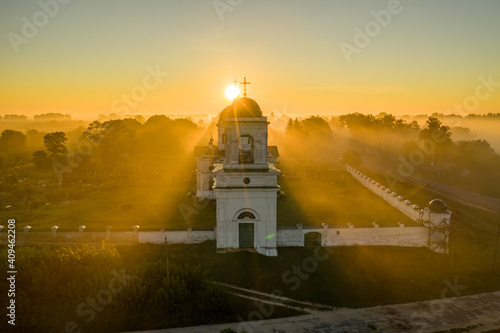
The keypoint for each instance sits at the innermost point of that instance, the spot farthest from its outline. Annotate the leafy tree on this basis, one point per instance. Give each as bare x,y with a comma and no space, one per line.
157,121
440,137
41,160
55,143
13,143
316,126
35,139
297,125
290,126
436,132
15,117
117,141
478,156
94,132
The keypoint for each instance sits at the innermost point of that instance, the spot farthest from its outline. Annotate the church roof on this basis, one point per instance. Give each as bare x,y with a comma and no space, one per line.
205,150
273,150
199,150
242,107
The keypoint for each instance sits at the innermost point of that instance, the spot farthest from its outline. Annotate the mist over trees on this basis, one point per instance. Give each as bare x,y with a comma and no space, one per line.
429,150
310,138
380,135
107,153
41,167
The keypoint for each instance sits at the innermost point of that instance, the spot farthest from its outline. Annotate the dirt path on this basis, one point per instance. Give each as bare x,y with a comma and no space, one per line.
274,300
476,313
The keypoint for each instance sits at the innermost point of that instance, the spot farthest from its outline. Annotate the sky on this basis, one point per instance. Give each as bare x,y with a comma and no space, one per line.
91,57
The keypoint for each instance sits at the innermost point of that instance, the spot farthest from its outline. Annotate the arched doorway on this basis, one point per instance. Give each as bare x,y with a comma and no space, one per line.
312,239
246,229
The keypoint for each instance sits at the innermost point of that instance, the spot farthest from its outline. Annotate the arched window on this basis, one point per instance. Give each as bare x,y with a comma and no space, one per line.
246,215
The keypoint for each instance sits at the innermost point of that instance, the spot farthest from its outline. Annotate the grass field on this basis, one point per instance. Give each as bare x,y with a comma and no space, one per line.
335,198
354,276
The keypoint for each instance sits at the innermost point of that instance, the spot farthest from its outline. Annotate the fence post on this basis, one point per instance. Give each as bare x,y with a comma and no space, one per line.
54,231
300,235
26,232
108,232
80,230
136,232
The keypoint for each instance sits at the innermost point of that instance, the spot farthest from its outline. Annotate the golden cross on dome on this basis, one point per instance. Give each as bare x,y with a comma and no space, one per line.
244,83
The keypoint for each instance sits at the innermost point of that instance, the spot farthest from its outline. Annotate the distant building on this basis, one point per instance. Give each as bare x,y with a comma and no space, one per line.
240,174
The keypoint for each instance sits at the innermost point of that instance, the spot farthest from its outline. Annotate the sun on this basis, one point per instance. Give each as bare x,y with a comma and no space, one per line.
232,92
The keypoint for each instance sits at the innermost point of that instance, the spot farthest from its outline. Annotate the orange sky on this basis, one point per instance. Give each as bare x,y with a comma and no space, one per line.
89,57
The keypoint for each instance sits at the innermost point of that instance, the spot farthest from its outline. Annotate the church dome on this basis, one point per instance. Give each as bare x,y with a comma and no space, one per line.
243,107
437,206
246,108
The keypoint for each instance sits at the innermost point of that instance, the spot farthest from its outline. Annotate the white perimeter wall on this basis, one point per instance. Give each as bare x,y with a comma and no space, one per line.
405,206
176,237
394,236
286,236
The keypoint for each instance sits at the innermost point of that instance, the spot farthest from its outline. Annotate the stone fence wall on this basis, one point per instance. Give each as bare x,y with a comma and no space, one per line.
413,211
415,236
334,236
187,236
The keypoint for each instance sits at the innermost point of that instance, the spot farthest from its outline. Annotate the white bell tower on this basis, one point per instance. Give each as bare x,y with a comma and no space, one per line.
245,184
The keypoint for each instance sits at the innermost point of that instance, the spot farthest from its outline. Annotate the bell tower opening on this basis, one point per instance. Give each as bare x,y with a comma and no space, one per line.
245,149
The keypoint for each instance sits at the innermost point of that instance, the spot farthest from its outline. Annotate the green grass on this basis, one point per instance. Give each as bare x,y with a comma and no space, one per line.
151,205
335,198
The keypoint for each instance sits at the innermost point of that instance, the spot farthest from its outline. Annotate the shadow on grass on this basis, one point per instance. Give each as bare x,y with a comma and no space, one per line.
356,276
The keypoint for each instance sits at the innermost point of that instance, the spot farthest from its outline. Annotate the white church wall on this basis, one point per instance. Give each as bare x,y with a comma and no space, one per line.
230,203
